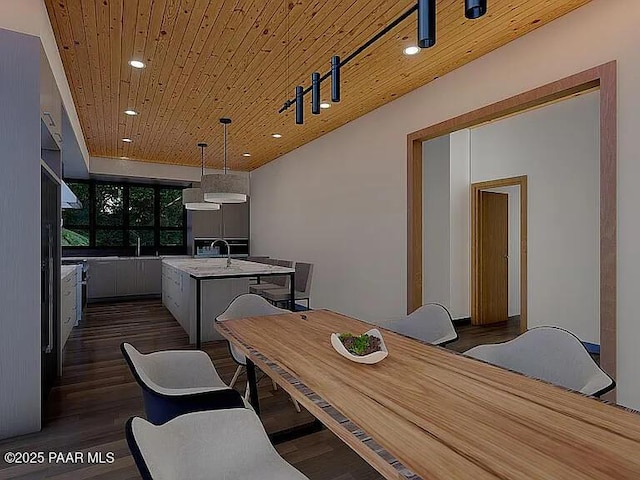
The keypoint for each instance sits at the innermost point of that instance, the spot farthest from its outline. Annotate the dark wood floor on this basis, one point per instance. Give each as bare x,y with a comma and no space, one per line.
96,395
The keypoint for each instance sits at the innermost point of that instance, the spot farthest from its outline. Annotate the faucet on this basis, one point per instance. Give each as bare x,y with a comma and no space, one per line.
228,249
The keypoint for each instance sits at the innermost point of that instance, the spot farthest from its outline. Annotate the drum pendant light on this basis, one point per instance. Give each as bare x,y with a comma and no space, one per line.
192,198
225,187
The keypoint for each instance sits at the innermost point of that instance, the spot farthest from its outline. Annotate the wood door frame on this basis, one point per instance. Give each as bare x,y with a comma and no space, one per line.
476,188
603,77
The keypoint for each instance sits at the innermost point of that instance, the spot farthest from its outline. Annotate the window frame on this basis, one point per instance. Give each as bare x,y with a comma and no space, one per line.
127,226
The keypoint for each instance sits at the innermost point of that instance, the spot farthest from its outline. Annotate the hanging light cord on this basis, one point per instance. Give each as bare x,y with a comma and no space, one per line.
225,148
202,157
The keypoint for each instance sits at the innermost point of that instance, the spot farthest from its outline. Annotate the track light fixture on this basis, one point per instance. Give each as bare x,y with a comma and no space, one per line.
474,9
426,9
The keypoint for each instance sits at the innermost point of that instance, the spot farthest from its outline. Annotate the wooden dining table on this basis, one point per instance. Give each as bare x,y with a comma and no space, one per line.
425,412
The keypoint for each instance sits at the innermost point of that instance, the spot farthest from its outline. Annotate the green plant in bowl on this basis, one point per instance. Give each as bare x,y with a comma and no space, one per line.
360,345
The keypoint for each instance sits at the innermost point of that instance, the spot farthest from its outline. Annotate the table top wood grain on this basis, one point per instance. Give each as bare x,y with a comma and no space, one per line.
428,413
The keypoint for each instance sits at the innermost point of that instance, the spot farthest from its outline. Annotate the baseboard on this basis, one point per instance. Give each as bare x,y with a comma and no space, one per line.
128,298
462,321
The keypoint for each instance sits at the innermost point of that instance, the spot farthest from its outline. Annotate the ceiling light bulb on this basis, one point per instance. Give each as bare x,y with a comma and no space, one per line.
325,105
276,135
130,112
411,50
246,154
136,64
127,140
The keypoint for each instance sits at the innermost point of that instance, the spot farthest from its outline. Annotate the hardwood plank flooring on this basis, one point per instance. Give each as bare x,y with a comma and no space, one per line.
89,405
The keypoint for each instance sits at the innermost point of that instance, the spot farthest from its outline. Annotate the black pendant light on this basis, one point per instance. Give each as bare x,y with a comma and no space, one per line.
475,8
335,78
315,93
299,105
426,23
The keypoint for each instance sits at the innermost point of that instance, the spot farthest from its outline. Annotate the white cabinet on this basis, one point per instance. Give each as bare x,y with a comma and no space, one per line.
123,277
50,100
101,279
68,310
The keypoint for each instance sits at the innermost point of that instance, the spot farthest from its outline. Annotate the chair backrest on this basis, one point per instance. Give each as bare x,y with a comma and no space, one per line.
282,281
161,372
551,354
210,444
243,306
430,323
258,259
304,272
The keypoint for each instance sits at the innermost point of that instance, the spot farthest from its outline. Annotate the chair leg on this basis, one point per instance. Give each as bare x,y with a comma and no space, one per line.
296,404
247,392
235,376
275,385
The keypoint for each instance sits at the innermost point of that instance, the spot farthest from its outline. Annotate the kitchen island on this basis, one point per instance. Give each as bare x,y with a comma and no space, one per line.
197,290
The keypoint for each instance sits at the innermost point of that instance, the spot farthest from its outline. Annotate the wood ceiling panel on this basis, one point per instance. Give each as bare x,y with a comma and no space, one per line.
243,58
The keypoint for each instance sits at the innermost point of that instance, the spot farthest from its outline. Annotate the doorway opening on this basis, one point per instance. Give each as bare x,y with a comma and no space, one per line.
499,252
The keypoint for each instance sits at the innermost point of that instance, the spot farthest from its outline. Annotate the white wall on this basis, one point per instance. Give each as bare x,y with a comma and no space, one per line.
340,201
513,193
435,222
558,148
460,224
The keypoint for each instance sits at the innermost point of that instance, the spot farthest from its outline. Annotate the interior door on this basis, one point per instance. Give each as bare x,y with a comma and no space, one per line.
50,280
493,258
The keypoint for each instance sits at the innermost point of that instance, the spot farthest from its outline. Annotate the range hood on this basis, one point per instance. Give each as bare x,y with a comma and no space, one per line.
69,199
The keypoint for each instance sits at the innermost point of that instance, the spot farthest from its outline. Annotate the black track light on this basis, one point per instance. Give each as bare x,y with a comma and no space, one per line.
299,105
426,23
315,93
475,8
335,78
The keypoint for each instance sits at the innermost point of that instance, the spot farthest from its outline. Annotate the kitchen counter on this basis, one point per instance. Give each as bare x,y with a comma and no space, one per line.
197,290
217,268
67,270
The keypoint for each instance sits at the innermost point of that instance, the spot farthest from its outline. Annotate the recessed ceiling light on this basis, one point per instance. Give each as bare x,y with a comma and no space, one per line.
411,50
276,135
325,105
247,154
130,112
136,63
127,140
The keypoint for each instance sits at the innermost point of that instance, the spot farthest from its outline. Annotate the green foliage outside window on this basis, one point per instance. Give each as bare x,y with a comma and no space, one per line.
112,226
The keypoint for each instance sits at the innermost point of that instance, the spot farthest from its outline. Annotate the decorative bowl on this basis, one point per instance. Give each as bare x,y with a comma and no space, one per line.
370,359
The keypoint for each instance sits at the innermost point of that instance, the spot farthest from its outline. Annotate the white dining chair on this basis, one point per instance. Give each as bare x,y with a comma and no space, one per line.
551,354
218,445
175,382
430,323
243,306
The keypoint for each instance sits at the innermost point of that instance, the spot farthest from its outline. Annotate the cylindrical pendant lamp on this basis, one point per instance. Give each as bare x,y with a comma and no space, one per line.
193,198
426,23
475,8
225,187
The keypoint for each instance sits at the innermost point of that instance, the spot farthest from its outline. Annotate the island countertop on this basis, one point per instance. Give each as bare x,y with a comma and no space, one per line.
217,267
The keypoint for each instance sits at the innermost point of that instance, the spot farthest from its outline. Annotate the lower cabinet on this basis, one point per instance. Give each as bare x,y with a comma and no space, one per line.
122,277
68,310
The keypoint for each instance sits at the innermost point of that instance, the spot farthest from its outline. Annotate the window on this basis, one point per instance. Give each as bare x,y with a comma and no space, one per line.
114,216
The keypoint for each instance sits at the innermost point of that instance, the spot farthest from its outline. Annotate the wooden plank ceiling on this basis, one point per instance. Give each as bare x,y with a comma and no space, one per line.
243,58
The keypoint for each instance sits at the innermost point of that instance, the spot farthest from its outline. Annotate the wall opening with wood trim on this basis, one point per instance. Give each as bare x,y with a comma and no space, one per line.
602,77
